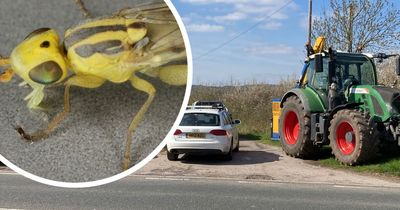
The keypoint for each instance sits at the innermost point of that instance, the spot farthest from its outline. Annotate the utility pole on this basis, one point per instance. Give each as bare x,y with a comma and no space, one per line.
308,45
350,28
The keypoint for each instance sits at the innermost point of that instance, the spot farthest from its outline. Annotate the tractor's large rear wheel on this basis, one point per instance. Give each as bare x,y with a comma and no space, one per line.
352,139
294,130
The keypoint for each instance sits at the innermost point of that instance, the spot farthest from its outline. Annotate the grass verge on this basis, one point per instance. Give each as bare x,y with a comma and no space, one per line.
387,164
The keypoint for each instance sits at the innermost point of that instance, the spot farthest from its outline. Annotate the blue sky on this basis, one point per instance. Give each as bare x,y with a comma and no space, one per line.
271,51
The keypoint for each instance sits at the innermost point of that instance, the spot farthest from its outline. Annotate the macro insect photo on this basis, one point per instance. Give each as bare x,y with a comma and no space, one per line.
89,88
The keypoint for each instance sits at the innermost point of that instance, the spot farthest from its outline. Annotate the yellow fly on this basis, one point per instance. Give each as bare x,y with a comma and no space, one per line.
144,39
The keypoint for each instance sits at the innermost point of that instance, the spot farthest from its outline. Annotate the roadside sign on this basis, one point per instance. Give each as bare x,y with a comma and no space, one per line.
276,112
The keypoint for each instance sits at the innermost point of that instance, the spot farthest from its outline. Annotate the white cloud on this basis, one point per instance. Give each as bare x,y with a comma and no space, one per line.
229,17
250,10
265,49
186,19
262,10
204,28
271,25
213,1
264,2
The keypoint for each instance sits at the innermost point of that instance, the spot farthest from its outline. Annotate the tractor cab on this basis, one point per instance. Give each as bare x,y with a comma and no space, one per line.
333,74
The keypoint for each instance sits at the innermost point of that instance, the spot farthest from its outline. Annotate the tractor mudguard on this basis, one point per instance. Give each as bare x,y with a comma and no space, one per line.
335,110
308,97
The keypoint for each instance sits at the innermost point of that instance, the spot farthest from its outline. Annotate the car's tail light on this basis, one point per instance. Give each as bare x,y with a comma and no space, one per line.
218,132
177,132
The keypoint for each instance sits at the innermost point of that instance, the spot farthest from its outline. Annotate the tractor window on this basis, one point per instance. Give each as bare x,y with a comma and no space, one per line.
358,70
318,80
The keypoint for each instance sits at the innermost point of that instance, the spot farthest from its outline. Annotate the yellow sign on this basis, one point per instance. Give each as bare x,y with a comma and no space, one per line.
276,112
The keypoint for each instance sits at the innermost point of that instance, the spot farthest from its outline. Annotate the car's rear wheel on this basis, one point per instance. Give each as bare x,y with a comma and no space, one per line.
172,156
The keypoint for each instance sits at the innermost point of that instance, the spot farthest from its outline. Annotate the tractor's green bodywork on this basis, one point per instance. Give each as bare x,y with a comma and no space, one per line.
355,78
372,101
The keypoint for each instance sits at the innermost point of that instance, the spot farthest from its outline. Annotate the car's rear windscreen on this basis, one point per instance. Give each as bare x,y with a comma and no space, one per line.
200,119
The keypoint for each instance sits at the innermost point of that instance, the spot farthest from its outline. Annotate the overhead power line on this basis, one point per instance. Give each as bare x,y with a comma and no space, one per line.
266,17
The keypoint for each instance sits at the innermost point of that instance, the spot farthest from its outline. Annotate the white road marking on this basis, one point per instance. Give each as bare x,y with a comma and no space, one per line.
9,209
8,173
352,187
167,178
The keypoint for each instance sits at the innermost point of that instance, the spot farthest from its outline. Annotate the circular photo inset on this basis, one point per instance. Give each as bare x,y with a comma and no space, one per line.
89,88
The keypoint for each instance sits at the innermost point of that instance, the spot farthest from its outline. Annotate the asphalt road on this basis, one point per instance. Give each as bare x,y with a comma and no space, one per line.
17,192
90,143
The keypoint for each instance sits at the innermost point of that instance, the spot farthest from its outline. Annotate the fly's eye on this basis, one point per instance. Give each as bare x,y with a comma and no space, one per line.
46,73
45,44
36,32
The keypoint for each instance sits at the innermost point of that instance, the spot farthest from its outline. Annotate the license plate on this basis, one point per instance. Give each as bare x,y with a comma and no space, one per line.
195,135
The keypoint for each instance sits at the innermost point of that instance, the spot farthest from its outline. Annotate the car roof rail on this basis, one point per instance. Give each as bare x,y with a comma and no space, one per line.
214,103
206,107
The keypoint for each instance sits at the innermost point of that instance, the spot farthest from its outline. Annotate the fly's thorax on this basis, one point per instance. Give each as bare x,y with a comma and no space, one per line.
100,46
129,31
38,59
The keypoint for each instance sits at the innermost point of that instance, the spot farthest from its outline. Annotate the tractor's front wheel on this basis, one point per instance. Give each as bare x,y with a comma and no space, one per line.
352,139
294,130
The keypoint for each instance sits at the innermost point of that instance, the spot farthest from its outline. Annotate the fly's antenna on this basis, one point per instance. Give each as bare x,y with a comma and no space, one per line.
6,75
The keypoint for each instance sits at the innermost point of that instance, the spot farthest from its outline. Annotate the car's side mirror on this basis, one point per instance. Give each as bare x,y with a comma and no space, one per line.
398,66
319,65
237,122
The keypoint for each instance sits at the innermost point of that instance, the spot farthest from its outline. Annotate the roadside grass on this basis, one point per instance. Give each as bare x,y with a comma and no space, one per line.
384,164
387,164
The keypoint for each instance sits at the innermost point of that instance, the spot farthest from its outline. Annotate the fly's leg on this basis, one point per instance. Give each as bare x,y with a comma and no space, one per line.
77,80
35,97
148,88
45,132
83,9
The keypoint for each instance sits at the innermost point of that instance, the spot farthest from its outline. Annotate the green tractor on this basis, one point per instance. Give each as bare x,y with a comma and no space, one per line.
338,102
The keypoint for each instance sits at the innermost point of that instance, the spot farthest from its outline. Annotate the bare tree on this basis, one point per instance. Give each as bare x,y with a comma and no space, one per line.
370,25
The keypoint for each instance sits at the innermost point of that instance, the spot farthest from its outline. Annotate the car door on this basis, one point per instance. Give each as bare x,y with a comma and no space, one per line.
230,128
226,125
235,132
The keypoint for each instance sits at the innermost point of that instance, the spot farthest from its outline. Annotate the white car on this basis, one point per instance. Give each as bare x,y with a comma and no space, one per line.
205,129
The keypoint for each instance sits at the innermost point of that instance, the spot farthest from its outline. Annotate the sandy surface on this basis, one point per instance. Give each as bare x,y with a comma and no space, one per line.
89,144
256,161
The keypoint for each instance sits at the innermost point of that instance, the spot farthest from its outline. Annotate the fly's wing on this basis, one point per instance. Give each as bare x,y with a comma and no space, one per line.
158,13
163,30
163,45
167,58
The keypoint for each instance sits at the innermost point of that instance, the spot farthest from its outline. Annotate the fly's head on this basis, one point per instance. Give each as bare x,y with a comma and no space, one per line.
39,59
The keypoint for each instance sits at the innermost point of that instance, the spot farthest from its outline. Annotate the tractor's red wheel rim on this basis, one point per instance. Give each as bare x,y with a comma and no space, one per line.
345,138
291,127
